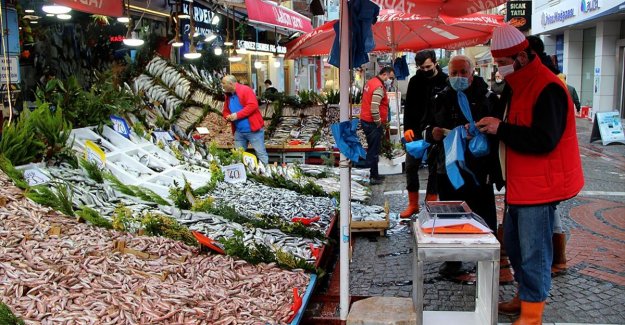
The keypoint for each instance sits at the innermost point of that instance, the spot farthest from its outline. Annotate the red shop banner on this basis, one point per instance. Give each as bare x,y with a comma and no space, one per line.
114,8
270,13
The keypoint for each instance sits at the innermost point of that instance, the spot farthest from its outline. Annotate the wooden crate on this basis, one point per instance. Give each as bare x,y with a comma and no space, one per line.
373,226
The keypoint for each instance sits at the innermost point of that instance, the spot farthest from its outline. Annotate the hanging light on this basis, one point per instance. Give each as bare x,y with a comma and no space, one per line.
218,50
215,19
192,55
176,42
50,15
277,63
54,9
124,20
30,11
133,40
64,17
235,57
210,37
257,64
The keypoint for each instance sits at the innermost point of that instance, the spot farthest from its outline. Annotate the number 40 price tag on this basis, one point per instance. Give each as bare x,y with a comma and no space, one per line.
234,173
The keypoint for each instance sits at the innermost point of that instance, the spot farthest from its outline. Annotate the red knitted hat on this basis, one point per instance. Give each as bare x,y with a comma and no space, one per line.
507,41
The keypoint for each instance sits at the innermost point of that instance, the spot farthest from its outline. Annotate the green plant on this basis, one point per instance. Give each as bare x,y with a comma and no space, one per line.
60,200
7,317
333,97
180,195
53,130
93,217
139,129
155,224
19,143
15,175
203,205
93,170
123,220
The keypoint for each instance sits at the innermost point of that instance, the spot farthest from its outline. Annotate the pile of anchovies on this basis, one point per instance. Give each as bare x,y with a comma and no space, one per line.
78,277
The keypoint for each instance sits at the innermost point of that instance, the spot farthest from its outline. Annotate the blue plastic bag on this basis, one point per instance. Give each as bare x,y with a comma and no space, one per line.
478,145
347,140
416,148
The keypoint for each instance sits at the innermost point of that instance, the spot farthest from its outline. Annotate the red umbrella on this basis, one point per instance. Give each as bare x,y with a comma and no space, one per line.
400,31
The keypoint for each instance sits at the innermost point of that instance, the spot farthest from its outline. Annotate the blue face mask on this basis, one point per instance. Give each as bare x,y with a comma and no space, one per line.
459,83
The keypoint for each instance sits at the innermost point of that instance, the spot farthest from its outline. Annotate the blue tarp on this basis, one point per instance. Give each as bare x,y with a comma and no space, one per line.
362,14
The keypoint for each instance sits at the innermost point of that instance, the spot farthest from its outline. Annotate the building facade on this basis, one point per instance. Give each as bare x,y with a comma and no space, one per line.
588,39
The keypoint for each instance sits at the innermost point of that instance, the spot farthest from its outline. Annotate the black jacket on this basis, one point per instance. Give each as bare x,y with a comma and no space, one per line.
421,91
446,114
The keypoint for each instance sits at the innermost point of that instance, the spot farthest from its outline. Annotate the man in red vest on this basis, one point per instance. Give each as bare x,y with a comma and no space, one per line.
541,165
373,116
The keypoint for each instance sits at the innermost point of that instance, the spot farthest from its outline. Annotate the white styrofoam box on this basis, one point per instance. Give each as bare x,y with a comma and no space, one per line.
387,167
194,179
163,191
129,166
81,135
116,139
144,158
161,154
291,157
138,140
194,169
118,171
162,180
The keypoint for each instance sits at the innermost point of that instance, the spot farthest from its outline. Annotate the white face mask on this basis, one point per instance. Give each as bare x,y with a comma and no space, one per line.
505,70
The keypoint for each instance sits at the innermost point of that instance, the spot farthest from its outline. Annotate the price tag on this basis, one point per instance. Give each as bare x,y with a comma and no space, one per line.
294,133
34,177
120,126
163,135
94,154
234,173
250,160
202,130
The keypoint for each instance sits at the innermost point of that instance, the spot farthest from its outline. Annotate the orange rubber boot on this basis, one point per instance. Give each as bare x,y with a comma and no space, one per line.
531,313
413,205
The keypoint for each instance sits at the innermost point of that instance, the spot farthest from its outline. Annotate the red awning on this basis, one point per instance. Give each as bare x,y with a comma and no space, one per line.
270,13
114,8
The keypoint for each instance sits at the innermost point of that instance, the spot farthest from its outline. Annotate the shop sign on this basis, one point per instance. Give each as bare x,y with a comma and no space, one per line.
260,47
112,8
11,30
202,17
234,173
117,38
608,128
548,18
270,13
589,5
519,14
13,67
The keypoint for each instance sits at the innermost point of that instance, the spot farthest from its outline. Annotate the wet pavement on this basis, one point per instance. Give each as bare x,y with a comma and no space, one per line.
591,291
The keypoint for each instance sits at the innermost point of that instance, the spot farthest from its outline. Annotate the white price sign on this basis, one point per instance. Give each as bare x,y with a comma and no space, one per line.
10,67
34,177
234,173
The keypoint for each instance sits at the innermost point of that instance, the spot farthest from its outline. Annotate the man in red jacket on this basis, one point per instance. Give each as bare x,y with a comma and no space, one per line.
540,161
241,109
373,116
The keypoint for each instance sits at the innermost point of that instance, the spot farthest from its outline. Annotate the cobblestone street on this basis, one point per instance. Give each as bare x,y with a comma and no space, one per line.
591,291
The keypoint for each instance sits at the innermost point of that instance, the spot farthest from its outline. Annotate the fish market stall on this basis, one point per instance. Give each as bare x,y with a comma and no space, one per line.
57,270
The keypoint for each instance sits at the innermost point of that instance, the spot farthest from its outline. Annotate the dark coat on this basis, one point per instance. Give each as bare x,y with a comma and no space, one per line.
446,114
421,90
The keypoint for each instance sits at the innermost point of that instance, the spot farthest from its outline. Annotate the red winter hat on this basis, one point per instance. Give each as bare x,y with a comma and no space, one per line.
507,41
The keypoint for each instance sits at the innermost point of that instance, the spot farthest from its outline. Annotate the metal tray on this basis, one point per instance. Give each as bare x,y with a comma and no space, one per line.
445,208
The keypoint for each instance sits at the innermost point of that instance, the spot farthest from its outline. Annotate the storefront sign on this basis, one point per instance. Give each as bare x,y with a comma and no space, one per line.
260,47
519,14
557,16
11,31
117,38
202,18
113,8
10,68
589,5
270,13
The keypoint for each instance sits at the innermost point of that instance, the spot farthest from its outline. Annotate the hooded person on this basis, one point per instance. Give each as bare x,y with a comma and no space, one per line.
541,165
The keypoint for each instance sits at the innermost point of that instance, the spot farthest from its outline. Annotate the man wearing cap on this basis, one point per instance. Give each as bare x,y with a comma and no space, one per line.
540,163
